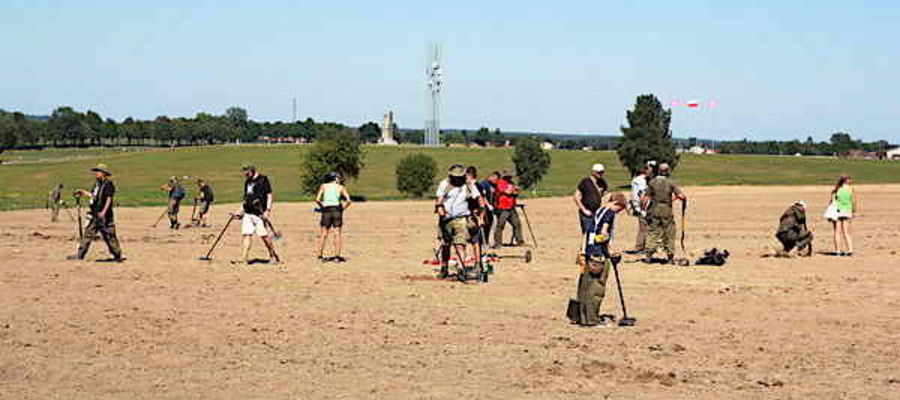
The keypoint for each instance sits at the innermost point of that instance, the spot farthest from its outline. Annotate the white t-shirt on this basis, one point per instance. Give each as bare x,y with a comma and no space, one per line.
456,198
638,187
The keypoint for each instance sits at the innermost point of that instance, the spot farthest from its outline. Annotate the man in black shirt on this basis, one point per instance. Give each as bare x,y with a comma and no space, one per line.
488,190
589,196
204,199
100,214
255,212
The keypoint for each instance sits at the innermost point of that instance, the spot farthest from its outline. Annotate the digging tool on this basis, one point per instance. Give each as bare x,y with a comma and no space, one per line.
528,223
80,223
216,243
166,211
194,212
527,256
275,233
626,320
461,273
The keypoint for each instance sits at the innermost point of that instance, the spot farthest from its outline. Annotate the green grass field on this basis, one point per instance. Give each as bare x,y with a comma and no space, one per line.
138,174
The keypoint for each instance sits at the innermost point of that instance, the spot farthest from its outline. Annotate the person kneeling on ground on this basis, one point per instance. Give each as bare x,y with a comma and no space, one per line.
333,199
793,232
595,268
255,213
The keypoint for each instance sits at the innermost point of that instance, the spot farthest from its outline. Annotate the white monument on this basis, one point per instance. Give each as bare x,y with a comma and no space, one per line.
387,129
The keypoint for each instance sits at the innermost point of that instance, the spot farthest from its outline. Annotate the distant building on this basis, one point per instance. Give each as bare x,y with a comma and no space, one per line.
893,154
547,145
387,129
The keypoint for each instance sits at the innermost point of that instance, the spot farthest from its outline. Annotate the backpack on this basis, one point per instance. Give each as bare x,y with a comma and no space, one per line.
178,192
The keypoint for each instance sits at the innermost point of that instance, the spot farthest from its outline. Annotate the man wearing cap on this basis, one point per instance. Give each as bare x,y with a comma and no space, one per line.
452,207
507,193
589,196
204,200
793,232
176,194
333,199
255,213
661,193
100,215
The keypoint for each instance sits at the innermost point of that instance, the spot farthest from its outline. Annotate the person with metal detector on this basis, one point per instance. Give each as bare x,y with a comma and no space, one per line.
487,187
100,215
477,211
598,259
333,199
176,193
55,202
507,193
255,213
452,208
204,200
661,193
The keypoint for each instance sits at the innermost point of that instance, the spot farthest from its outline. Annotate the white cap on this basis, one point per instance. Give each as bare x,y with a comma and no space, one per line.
598,168
801,203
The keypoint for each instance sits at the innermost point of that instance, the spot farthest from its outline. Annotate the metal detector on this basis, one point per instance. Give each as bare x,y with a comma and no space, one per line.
216,243
626,320
160,218
80,224
527,256
528,223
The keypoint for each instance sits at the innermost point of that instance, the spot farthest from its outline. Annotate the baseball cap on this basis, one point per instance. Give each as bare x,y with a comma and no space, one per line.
598,168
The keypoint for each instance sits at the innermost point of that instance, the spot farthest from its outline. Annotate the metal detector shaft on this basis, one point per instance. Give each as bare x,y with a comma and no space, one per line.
80,224
194,211
528,223
160,218
222,233
615,266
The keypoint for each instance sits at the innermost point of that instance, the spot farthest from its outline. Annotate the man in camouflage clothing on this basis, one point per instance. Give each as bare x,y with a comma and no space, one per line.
100,215
661,193
793,232
55,202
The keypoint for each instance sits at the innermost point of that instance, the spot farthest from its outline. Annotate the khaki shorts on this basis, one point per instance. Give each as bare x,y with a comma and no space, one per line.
455,231
253,225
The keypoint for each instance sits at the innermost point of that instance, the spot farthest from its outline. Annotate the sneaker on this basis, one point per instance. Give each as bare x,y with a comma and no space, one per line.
322,259
338,259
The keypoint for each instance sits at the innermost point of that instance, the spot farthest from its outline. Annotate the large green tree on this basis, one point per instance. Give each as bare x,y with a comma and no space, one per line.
415,174
334,150
370,132
531,161
647,136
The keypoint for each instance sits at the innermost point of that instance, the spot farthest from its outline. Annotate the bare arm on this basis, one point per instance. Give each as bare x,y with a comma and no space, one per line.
320,194
106,207
346,195
581,208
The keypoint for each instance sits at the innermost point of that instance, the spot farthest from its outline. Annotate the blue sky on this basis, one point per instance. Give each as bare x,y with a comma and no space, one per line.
776,69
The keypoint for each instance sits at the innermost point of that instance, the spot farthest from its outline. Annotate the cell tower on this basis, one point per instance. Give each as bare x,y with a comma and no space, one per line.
434,81
294,110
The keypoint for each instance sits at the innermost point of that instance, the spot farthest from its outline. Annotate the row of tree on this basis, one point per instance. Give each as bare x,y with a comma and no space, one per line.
839,143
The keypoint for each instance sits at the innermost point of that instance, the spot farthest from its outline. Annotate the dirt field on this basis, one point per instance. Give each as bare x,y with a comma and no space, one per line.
166,325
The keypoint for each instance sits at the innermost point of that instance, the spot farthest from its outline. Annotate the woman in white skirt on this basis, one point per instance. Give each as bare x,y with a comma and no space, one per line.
840,212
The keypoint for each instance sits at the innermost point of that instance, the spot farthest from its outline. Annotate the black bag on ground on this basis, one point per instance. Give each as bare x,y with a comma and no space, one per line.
713,257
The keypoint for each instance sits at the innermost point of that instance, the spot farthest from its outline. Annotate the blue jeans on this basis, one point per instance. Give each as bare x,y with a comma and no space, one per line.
587,223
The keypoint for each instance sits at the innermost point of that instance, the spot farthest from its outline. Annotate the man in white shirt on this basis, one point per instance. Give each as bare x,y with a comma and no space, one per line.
638,189
452,207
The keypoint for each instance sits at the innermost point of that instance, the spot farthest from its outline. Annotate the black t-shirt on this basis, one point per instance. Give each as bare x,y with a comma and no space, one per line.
256,194
590,195
207,194
487,190
103,190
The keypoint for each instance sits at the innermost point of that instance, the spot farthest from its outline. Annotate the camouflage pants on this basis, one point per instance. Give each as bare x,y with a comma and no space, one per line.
54,212
106,230
591,290
661,235
791,239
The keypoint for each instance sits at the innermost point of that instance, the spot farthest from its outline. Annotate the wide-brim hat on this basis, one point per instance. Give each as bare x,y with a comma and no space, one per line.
457,171
101,168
